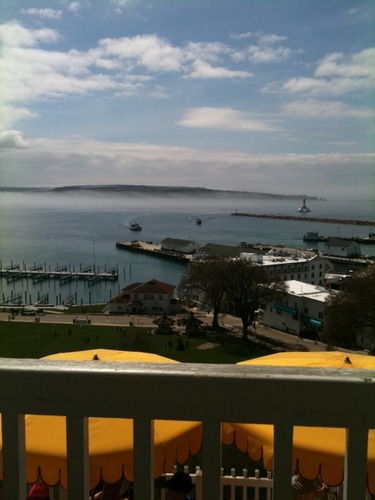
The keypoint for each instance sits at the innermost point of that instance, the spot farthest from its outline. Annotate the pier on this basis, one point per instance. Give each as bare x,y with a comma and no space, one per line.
304,218
154,250
63,274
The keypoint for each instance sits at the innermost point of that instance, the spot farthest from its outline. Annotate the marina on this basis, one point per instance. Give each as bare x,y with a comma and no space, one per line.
63,274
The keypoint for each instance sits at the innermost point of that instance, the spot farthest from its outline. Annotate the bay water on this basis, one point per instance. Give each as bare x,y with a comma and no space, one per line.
81,229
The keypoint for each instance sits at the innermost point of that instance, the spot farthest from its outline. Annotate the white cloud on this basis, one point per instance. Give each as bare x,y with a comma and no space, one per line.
149,51
337,74
74,7
43,13
202,69
122,66
11,114
312,108
13,139
224,119
14,34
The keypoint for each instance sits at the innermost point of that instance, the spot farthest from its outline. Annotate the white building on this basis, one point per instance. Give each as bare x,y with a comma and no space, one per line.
301,310
179,246
343,248
152,297
308,269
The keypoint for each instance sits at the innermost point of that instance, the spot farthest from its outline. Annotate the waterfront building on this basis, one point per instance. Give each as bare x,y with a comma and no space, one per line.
339,247
300,267
151,297
300,311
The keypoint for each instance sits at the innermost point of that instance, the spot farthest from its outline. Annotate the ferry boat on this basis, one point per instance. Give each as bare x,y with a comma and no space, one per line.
134,226
314,236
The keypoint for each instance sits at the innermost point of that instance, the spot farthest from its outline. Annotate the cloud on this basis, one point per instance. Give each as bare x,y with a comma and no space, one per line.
43,13
11,114
337,74
13,139
122,66
50,162
14,34
201,69
224,119
74,7
312,108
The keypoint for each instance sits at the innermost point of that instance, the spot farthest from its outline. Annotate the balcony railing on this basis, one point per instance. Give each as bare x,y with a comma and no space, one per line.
212,394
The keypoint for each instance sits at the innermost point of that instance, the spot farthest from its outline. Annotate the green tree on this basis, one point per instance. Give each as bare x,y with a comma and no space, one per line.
204,280
248,288
351,311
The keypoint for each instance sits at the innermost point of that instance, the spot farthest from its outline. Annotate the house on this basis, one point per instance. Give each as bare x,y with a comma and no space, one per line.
299,267
179,246
340,247
301,311
151,297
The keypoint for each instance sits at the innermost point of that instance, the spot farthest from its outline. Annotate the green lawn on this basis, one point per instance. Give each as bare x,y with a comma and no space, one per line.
35,340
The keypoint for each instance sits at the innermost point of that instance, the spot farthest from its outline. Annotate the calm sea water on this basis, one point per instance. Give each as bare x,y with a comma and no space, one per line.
80,229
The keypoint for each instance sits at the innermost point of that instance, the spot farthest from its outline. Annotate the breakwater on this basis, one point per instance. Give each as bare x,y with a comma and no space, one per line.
354,222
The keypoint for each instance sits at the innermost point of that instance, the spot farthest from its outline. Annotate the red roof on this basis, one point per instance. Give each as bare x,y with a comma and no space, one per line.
149,287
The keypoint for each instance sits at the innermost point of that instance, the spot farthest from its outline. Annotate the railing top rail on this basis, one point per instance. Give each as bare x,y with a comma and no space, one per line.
221,392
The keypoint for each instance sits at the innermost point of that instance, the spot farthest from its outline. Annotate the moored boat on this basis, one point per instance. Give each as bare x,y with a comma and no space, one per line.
314,236
134,226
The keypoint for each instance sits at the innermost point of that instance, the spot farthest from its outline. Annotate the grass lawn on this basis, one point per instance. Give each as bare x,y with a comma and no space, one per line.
35,340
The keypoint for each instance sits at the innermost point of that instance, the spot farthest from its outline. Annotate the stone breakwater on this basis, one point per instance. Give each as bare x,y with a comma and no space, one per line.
354,222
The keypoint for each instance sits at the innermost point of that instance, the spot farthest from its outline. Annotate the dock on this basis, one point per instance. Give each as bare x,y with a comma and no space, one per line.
154,250
39,273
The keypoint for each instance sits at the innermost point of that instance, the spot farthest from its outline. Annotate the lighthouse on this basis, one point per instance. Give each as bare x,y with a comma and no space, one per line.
304,209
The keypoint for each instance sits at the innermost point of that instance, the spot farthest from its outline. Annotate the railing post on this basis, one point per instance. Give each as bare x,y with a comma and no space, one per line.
211,460
143,455
14,456
282,460
77,457
355,471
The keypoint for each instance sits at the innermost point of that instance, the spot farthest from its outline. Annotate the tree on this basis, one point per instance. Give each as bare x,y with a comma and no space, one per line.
248,288
352,310
204,280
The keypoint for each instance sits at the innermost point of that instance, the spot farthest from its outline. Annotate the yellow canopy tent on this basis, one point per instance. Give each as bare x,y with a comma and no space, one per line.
316,450
110,439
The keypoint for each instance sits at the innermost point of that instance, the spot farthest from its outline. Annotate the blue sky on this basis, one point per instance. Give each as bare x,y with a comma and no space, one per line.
258,95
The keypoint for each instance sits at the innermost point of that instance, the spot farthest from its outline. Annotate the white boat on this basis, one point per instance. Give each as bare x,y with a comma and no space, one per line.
134,226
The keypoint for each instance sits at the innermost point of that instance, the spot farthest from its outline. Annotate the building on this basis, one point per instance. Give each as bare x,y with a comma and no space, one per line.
343,248
152,297
300,267
300,311
179,246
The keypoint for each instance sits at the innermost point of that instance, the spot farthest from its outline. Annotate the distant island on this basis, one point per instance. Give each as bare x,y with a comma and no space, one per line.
158,191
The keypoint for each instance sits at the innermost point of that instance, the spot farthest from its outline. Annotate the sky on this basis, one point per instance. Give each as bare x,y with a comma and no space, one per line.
272,96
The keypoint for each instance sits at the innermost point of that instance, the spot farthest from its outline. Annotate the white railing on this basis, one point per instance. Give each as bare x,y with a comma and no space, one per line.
211,394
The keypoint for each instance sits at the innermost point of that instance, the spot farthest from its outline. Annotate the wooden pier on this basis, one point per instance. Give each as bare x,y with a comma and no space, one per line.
63,274
154,250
